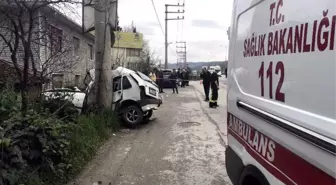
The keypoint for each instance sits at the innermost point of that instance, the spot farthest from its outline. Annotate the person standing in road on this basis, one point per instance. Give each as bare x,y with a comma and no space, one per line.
152,76
179,75
205,76
183,78
159,80
173,77
188,70
214,84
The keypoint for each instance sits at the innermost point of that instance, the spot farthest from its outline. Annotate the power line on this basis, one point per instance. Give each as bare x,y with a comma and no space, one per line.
158,19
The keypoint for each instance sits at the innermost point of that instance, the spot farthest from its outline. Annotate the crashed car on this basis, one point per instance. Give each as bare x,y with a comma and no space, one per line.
135,95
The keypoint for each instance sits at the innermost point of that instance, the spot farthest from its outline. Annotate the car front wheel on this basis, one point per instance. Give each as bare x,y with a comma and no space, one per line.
132,116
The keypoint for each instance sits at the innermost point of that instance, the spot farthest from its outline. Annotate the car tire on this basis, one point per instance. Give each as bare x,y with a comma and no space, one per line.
132,115
148,115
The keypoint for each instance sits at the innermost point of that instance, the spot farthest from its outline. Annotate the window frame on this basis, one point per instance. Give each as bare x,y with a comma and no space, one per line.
76,46
91,52
55,35
114,81
128,85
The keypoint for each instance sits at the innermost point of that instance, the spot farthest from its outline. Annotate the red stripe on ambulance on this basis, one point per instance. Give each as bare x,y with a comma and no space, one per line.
278,160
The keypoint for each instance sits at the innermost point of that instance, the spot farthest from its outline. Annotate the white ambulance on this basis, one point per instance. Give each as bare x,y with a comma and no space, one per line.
282,93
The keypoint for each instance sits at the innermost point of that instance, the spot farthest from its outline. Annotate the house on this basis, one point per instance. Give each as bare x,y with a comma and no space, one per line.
60,51
127,49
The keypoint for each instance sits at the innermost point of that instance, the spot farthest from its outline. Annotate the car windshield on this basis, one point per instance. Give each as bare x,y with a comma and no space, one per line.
166,72
144,77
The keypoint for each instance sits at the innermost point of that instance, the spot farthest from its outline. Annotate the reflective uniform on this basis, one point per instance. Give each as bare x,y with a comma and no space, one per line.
214,90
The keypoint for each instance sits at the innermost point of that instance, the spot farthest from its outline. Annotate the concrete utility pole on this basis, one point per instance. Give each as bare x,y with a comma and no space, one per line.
103,78
166,26
182,53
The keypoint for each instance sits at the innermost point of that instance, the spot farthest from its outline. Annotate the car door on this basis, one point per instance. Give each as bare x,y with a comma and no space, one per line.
117,89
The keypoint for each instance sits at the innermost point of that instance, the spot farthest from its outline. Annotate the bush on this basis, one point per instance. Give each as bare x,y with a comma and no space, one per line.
44,148
32,144
9,101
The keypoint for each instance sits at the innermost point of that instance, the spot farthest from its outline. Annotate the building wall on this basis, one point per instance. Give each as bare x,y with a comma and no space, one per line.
127,49
5,53
83,59
121,57
41,52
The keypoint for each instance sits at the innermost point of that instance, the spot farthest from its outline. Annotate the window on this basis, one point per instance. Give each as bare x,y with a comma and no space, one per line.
91,52
126,83
117,84
57,80
55,36
76,45
77,80
133,52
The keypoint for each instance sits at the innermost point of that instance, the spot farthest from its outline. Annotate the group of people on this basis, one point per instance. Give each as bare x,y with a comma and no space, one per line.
182,75
157,76
210,80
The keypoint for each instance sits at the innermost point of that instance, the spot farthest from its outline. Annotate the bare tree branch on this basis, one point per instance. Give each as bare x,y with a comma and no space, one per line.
23,35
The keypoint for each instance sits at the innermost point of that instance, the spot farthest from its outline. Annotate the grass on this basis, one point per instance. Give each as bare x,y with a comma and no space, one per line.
90,132
87,133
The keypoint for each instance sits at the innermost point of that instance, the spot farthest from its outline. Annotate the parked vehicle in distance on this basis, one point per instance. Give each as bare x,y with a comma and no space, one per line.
166,80
281,119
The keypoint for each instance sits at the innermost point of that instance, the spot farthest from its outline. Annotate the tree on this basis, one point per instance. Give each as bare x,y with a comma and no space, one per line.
148,57
24,30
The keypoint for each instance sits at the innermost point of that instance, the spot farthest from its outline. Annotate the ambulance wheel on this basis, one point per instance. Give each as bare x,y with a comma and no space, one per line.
132,115
148,115
252,176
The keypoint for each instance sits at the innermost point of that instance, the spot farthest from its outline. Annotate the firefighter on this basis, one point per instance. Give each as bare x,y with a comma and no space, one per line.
214,84
205,76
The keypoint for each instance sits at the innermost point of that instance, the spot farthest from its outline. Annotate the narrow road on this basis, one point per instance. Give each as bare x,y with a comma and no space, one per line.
184,144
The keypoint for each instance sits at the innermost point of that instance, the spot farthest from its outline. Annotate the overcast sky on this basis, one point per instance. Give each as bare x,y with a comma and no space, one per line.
204,27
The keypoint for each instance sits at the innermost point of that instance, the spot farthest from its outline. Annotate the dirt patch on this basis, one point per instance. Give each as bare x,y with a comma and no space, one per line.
188,124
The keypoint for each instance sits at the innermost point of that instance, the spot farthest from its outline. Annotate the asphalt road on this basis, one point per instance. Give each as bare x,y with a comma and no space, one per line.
184,144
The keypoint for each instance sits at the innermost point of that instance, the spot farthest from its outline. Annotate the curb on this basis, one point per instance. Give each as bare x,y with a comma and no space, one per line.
198,93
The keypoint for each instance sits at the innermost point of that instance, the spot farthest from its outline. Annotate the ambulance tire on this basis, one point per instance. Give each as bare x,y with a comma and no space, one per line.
252,176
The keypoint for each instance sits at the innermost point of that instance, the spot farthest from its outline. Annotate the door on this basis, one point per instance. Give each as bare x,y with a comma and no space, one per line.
117,89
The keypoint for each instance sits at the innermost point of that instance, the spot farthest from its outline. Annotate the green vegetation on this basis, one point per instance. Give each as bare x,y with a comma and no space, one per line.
47,146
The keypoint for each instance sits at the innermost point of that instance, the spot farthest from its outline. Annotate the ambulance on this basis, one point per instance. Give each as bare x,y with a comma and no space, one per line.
282,93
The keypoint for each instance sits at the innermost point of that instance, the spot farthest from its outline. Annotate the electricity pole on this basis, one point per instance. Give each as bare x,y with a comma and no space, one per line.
104,13
182,52
166,26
